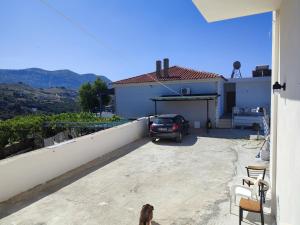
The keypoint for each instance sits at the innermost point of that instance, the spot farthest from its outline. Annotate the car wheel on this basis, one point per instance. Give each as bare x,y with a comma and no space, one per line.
179,138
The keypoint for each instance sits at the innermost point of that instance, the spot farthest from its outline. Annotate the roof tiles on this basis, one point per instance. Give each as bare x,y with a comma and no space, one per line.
175,73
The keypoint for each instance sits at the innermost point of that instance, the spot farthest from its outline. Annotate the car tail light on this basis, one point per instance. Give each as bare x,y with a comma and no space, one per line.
151,127
175,127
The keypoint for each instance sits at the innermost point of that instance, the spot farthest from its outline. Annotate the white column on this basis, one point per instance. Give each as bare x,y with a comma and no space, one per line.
274,106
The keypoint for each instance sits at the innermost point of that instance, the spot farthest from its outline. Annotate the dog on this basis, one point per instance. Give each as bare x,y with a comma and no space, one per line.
146,214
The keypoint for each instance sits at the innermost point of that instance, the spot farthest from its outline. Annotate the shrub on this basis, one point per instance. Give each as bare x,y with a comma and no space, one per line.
20,128
5,133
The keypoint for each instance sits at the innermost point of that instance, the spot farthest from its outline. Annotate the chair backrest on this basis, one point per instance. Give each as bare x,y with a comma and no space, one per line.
255,171
256,185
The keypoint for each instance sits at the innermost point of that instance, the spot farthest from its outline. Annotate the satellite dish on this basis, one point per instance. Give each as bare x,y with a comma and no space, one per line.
236,73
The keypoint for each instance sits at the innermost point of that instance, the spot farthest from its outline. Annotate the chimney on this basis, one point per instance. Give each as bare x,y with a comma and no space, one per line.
158,68
166,67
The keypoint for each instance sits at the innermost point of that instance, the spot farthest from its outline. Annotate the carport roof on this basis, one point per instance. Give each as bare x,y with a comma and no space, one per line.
186,97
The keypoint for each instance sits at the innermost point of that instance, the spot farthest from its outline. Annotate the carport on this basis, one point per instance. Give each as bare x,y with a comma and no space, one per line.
180,98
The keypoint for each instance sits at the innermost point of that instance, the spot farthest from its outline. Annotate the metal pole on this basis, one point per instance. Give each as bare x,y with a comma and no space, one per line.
100,103
207,116
155,106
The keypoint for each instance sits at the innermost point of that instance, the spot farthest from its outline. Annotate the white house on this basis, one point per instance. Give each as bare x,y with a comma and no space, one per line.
249,92
198,96
285,106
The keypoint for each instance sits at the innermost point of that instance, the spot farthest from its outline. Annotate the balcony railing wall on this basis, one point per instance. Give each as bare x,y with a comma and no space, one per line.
23,172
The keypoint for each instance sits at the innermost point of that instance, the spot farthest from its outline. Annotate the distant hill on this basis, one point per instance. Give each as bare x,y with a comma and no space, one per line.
40,78
21,99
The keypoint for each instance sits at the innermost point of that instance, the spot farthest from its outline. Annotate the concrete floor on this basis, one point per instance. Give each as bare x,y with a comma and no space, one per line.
186,183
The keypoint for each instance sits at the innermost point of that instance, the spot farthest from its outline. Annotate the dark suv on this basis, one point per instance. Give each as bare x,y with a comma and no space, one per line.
170,126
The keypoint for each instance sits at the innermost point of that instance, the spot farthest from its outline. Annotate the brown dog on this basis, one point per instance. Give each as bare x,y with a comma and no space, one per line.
146,215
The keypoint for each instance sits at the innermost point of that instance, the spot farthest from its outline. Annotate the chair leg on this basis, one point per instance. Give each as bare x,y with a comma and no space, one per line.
262,218
241,216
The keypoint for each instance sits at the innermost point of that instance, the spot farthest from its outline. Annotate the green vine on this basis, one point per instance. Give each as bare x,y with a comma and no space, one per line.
21,128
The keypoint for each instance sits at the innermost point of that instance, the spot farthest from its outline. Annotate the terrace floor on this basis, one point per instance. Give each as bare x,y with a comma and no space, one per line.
186,183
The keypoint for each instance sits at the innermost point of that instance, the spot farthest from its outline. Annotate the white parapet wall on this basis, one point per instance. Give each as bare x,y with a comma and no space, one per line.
23,172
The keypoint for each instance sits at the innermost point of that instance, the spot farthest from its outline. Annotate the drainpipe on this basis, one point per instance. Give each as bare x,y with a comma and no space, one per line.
274,108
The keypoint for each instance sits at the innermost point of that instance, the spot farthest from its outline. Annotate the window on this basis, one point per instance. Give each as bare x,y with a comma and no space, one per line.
182,120
163,120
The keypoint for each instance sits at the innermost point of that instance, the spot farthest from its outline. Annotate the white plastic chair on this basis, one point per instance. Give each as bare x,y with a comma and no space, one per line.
245,192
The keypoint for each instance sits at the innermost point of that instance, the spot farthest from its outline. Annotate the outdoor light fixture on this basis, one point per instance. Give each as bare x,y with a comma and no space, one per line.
277,87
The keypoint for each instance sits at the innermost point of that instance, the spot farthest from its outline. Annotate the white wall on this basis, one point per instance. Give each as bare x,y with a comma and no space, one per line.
22,172
288,122
191,110
254,92
133,101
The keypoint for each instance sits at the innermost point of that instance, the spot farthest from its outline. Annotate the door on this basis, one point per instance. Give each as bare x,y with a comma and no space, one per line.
230,99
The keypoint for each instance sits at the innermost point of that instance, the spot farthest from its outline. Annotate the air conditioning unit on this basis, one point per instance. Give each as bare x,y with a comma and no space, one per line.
185,91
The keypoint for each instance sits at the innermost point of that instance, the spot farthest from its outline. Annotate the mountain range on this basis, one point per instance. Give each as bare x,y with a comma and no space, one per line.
40,78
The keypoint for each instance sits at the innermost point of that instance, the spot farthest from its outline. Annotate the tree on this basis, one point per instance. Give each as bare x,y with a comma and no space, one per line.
93,97
101,91
88,100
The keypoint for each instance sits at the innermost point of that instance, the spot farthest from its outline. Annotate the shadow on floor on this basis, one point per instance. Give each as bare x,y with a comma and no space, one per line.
254,218
188,140
191,139
228,133
27,198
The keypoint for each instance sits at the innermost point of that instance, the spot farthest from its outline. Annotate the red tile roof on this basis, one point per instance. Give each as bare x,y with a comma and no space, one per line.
175,73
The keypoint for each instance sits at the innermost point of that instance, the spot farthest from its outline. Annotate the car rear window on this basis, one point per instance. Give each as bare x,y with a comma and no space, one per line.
163,120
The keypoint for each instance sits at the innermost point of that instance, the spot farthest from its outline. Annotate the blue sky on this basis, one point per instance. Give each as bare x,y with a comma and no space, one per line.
126,37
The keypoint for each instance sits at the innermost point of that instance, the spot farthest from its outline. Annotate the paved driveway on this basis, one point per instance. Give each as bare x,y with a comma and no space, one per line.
184,182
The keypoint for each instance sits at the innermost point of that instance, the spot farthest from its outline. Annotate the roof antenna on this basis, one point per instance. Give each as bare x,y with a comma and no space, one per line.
236,72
